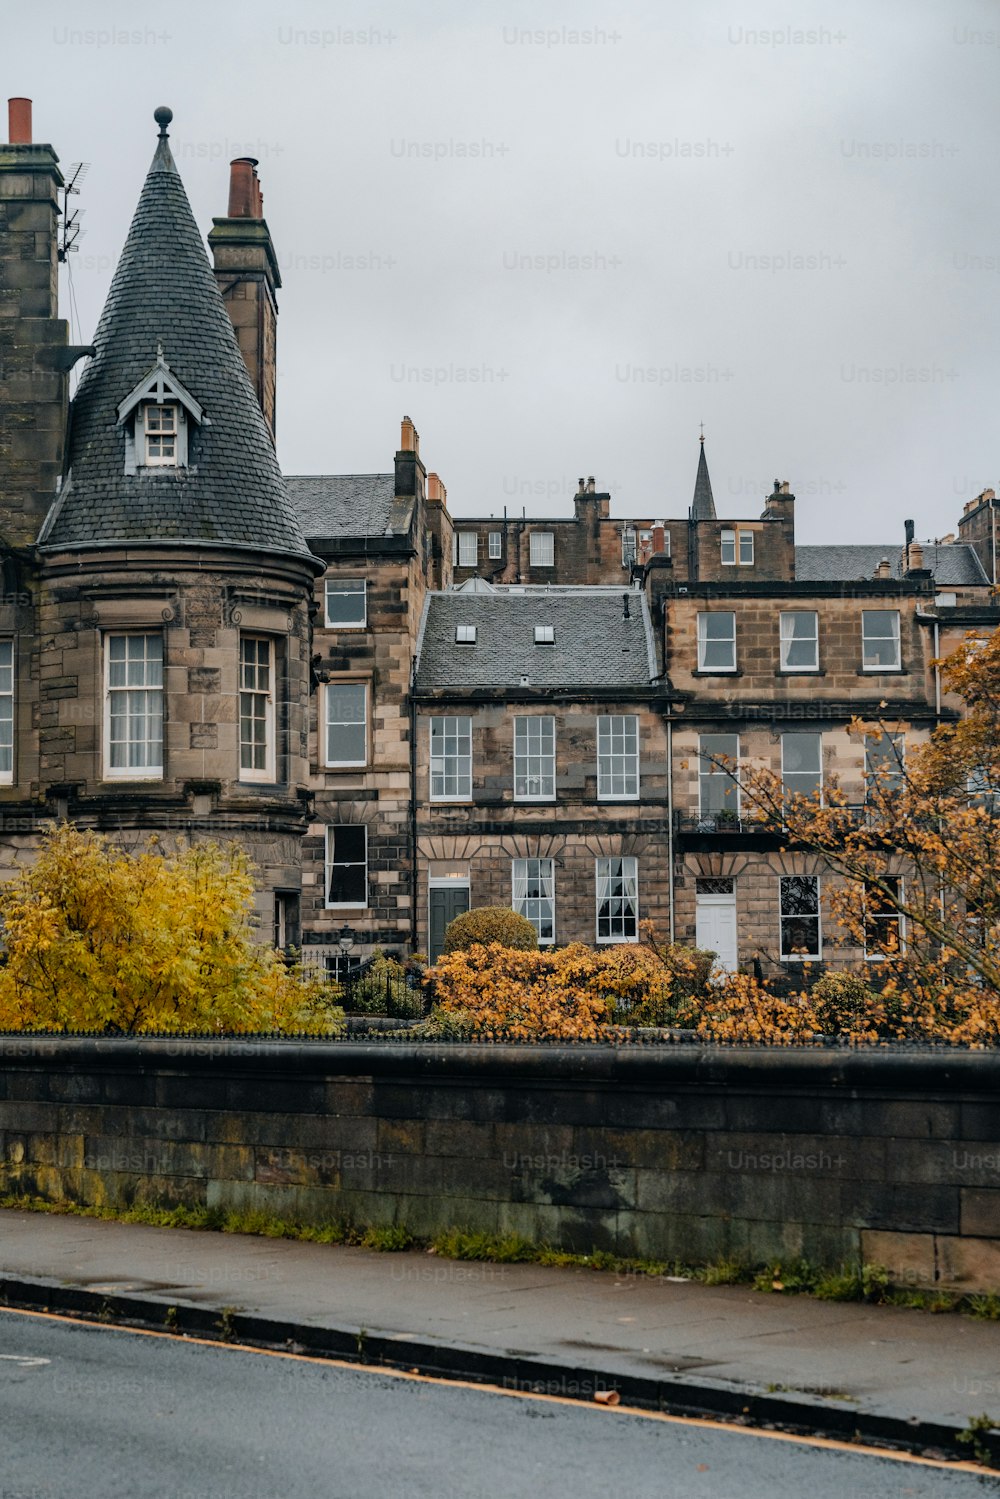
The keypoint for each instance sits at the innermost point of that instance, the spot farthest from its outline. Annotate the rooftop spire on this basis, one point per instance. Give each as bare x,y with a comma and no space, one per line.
703,504
164,307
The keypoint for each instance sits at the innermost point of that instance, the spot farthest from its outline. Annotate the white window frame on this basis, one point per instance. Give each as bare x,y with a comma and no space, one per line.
801,957
788,640
451,758
346,588
531,732
7,712
704,640
545,634
152,434
153,771
465,634
541,549
604,873
329,690
727,547
894,636
265,698
897,762
709,770
528,905
791,790
896,916
329,864
615,761
745,544
495,546
468,555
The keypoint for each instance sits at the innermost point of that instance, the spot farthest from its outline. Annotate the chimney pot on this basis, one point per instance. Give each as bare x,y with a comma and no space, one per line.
914,557
436,492
245,201
409,440
883,570
908,531
590,484
19,122
583,487
784,487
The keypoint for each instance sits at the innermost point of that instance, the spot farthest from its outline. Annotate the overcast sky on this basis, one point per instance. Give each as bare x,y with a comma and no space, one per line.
559,238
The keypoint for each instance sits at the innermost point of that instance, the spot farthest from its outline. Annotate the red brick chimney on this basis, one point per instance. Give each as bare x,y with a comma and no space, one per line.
246,269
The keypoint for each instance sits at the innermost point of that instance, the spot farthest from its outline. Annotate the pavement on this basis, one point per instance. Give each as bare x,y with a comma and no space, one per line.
881,1374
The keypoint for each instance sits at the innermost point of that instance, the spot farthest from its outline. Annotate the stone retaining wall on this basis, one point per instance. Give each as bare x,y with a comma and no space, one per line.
690,1153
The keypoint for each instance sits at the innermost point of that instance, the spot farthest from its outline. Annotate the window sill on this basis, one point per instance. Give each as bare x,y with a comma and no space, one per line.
450,801
717,671
800,671
606,801
616,941
352,629
882,671
348,765
116,780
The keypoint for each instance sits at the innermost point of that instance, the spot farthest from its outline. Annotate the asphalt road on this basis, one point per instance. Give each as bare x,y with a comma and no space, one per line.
98,1413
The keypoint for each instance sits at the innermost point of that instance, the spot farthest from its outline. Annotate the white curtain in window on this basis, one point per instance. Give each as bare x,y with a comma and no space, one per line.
520,882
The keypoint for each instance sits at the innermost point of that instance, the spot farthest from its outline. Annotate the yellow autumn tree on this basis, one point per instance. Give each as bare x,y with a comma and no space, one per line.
98,938
920,860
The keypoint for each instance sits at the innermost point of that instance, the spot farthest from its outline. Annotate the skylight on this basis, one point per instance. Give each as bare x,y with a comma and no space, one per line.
545,635
465,634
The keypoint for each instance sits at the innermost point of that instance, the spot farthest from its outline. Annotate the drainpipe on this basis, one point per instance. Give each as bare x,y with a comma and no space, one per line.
670,821
413,809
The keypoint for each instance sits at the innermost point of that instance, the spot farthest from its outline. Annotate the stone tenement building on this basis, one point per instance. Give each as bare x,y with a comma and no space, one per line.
397,713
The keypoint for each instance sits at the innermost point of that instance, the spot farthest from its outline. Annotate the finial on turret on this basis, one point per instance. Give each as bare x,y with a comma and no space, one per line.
163,116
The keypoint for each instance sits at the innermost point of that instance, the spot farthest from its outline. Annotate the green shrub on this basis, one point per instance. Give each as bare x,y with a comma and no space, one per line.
486,924
844,1004
383,990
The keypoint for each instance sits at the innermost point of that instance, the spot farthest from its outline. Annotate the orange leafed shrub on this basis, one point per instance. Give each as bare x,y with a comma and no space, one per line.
500,993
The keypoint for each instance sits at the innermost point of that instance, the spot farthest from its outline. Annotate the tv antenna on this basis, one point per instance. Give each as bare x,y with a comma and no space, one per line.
71,221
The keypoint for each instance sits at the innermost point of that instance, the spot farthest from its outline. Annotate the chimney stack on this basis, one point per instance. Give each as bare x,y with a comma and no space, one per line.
883,570
36,355
246,268
19,122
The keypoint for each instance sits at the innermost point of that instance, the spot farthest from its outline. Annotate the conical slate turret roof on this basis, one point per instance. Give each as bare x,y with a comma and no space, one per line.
164,304
703,504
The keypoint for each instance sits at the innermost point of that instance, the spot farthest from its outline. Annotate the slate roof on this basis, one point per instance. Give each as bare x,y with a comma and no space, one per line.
343,504
232,492
594,645
703,504
951,565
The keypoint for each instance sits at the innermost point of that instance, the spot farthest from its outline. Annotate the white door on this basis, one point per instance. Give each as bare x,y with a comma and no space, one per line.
715,928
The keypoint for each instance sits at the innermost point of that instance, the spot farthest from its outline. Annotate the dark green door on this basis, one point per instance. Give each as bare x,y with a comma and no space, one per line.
447,902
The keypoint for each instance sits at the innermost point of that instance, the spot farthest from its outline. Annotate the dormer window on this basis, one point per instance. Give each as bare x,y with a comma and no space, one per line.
160,424
157,416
